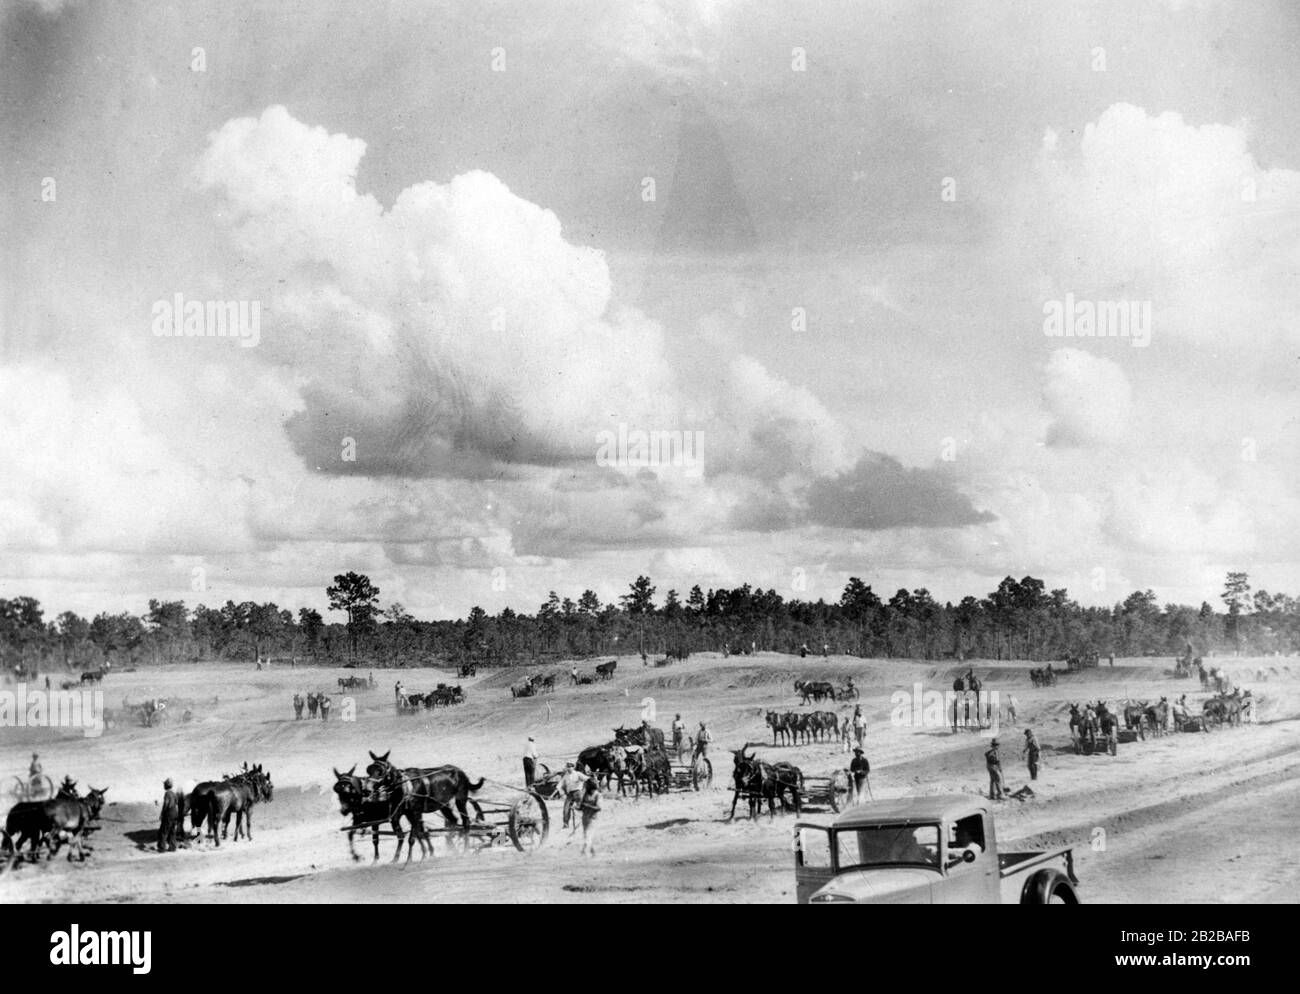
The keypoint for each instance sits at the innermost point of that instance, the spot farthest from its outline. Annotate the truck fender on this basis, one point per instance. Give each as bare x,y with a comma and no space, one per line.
1045,885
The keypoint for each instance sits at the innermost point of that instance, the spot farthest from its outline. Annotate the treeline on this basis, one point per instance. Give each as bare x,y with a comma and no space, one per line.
1019,620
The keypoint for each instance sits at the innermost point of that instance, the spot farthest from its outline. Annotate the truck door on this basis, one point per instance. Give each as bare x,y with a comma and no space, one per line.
813,866
977,882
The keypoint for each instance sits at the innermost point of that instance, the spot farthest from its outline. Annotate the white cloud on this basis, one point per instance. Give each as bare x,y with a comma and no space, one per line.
1088,399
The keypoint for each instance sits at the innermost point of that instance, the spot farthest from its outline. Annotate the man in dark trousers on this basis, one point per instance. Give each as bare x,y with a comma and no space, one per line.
590,809
993,760
170,819
1031,750
530,762
859,768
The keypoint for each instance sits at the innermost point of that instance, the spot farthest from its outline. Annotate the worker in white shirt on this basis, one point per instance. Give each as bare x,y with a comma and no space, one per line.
530,762
572,782
679,735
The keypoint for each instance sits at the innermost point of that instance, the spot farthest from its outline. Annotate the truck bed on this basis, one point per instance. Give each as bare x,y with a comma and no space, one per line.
1011,863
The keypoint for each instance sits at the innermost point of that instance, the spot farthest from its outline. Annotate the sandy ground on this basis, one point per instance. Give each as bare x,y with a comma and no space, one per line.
1188,817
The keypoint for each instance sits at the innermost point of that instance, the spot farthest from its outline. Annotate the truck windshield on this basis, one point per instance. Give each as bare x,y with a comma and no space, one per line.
887,845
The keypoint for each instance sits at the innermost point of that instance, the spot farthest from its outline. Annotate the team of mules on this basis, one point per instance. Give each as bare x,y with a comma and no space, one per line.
467,669
1045,677
389,793
314,701
758,781
643,767
792,726
605,671
216,801
441,696
66,818
820,690
1091,723
357,683
1228,709
535,684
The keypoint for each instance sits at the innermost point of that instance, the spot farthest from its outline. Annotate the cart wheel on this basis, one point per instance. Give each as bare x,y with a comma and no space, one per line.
841,792
44,788
529,823
701,773
19,790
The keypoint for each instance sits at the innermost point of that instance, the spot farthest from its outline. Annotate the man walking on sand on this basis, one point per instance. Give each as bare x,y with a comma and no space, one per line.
590,809
860,769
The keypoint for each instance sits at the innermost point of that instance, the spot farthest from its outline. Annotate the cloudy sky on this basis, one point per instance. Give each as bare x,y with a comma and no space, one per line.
823,236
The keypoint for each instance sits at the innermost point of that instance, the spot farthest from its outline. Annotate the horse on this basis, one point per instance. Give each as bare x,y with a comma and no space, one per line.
605,671
652,765
824,724
360,798
747,775
599,762
237,796
642,735
1082,726
780,724
1158,717
815,690
799,726
66,817
297,707
782,778
415,791
1133,714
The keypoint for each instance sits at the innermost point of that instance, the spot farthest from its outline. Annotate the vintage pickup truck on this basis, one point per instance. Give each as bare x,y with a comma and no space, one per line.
924,850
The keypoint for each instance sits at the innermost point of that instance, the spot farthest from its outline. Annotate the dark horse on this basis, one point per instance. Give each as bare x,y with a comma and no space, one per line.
368,804
215,801
66,817
642,735
413,791
759,781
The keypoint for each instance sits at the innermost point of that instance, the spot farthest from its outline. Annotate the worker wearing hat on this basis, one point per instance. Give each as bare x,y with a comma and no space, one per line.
170,818
993,760
572,782
1031,750
859,767
530,762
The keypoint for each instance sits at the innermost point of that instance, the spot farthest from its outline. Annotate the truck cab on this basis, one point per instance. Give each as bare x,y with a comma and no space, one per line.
923,850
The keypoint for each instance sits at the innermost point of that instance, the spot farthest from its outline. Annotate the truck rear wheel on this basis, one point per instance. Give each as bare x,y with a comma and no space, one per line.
1049,887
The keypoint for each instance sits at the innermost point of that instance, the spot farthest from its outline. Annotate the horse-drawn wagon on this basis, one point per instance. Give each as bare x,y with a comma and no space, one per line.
834,791
38,787
695,775
380,800
148,713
